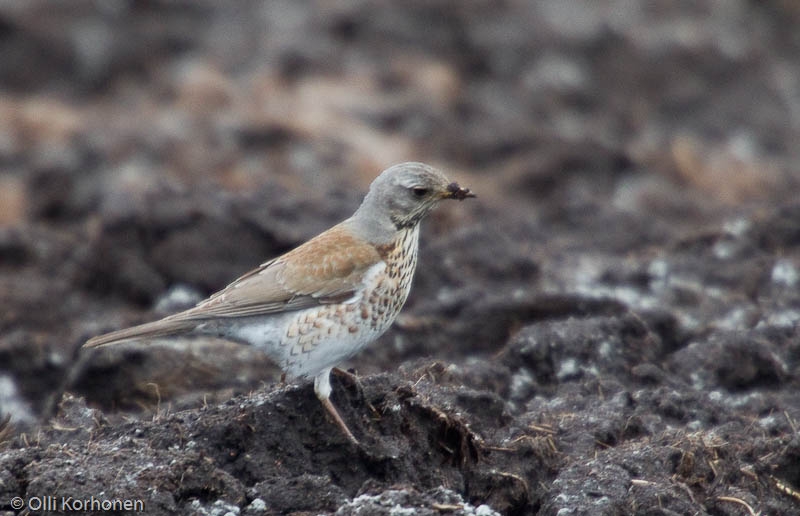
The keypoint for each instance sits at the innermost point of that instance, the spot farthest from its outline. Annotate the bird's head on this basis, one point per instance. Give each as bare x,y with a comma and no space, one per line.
405,193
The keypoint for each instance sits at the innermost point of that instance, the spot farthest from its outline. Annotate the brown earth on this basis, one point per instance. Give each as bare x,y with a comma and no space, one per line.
610,328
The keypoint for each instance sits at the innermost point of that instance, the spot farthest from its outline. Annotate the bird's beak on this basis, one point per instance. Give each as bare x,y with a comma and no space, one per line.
456,192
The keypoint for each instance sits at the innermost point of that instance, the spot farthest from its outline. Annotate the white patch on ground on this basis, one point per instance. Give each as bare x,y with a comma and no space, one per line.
785,273
12,404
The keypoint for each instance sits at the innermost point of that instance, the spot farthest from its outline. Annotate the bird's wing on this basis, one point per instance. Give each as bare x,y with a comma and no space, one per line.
329,268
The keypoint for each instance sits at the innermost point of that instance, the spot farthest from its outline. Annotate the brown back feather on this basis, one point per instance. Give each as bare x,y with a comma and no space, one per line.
327,269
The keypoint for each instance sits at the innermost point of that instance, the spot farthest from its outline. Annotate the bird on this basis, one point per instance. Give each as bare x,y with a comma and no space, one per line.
321,303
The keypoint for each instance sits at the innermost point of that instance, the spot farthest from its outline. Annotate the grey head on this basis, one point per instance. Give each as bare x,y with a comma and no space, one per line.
400,197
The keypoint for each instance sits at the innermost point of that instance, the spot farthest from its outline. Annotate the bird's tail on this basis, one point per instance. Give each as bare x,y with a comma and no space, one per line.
162,328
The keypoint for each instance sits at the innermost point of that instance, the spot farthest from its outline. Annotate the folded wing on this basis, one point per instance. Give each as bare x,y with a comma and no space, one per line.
329,268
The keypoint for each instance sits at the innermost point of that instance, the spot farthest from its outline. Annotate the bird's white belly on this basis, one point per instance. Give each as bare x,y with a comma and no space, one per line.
305,342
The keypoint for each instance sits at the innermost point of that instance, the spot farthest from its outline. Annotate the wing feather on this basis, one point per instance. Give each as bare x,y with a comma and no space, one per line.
329,268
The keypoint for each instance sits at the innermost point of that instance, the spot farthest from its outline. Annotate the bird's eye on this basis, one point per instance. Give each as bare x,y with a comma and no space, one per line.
419,191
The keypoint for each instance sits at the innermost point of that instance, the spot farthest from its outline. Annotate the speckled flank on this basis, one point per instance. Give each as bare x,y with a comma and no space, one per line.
347,327
389,295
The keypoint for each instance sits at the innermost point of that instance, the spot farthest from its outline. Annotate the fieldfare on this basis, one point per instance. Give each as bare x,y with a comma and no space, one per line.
321,303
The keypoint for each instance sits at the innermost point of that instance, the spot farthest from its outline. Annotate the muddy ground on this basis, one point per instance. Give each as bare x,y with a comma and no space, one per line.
610,328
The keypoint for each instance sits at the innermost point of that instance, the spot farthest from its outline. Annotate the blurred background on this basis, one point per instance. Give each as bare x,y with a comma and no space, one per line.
153,150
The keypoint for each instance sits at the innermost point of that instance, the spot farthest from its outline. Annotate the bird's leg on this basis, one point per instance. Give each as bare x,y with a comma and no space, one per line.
348,377
341,373
354,381
322,388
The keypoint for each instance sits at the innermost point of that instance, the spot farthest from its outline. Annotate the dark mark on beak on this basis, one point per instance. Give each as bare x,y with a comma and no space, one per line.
456,192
